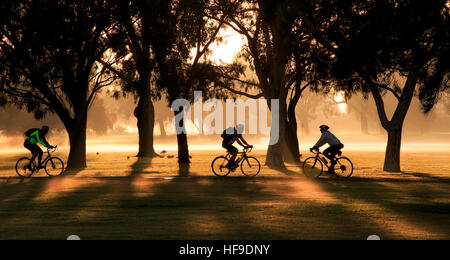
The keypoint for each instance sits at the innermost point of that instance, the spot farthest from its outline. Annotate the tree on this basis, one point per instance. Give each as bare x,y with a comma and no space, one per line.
363,110
48,54
142,25
182,61
284,60
164,115
386,47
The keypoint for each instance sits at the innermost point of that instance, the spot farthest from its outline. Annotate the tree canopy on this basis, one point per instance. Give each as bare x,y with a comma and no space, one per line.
48,61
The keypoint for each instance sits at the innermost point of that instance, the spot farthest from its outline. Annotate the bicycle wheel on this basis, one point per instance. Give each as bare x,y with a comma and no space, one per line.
251,167
218,166
25,167
344,167
54,167
312,167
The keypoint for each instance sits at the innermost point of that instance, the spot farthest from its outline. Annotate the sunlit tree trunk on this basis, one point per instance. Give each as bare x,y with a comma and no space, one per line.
276,153
393,150
292,145
145,114
183,147
162,127
395,125
77,139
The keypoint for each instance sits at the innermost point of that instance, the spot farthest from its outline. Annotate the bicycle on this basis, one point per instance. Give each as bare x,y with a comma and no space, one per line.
313,166
250,166
53,166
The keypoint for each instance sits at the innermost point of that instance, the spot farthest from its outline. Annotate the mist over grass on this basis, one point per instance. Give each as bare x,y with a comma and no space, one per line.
353,141
112,126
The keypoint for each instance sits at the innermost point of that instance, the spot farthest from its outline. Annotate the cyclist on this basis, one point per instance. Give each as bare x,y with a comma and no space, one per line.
35,136
335,146
230,136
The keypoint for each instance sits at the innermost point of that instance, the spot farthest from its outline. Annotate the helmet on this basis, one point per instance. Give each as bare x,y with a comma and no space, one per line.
324,128
240,128
45,128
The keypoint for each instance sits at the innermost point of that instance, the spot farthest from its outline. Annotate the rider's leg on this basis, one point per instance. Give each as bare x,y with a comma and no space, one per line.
35,154
234,152
33,150
336,150
331,153
328,153
40,154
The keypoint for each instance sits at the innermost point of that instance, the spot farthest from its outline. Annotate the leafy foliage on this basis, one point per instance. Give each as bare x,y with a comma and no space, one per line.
49,52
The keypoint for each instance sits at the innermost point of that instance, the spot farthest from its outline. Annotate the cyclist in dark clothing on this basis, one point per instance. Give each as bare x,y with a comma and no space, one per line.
230,136
335,145
35,136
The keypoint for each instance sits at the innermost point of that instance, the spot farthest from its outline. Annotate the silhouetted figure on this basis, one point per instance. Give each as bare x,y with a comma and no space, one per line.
36,136
230,136
335,146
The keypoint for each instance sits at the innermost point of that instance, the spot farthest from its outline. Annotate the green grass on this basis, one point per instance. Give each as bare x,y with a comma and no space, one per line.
120,198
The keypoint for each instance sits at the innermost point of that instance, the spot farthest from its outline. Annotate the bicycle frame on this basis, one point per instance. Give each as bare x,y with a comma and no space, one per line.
243,157
318,157
343,165
49,156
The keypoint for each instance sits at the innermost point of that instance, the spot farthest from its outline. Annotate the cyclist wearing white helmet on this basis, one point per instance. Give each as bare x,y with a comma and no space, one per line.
35,136
230,136
335,145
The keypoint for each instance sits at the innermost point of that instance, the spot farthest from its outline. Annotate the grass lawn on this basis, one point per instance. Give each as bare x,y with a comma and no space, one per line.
124,198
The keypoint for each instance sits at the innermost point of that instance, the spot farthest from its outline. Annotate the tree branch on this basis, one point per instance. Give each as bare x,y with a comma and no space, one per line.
252,84
382,86
380,108
241,93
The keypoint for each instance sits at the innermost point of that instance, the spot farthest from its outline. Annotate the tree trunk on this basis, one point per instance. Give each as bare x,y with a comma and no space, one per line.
393,150
305,125
364,124
395,125
291,142
162,128
145,114
275,158
183,147
77,139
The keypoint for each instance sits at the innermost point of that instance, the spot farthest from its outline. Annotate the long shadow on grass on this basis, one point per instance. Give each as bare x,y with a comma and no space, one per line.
426,176
230,208
193,208
416,206
184,169
141,165
46,211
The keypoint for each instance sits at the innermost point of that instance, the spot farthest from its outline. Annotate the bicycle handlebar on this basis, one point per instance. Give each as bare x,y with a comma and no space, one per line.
52,149
315,151
248,149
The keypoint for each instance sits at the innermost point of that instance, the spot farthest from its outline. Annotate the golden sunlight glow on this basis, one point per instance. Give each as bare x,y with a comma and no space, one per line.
59,187
343,108
224,52
340,99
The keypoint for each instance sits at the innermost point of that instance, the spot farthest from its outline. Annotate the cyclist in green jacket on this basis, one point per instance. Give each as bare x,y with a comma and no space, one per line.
36,136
